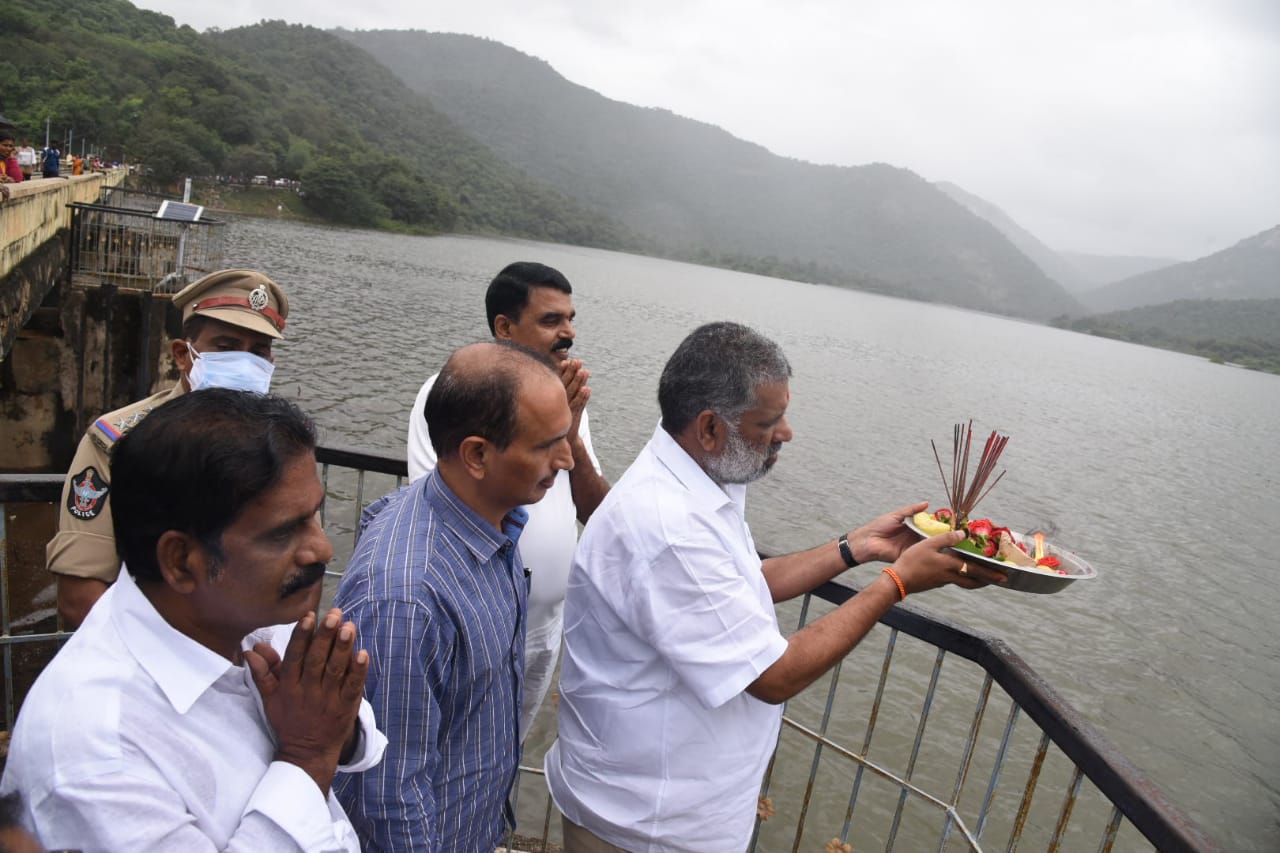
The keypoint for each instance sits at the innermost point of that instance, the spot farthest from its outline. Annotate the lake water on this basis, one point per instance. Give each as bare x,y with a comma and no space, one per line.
1160,469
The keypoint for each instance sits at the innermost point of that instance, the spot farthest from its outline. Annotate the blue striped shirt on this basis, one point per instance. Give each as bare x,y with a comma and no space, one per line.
438,597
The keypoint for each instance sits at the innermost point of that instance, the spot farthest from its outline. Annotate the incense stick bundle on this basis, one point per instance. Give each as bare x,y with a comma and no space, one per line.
963,493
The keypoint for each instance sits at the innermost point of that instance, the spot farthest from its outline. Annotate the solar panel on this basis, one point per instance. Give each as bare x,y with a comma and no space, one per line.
179,211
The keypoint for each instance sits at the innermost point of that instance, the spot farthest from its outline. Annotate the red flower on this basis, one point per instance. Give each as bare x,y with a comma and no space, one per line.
943,514
981,527
996,532
990,548
1049,562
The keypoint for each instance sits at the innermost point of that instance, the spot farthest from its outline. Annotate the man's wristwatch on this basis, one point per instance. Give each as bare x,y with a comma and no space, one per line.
845,551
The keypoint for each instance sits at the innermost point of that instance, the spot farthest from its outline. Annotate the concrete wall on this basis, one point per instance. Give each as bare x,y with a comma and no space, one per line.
36,215
67,355
37,210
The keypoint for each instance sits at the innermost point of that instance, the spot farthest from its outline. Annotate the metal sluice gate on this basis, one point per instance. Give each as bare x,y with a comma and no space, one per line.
142,241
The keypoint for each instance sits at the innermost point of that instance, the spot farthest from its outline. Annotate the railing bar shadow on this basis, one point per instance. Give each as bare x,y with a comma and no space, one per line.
10,709
359,504
994,781
546,824
817,756
966,760
324,506
925,707
872,717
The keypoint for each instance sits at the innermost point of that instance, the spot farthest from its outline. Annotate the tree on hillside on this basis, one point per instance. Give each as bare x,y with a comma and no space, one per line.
411,198
297,157
328,188
175,148
249,160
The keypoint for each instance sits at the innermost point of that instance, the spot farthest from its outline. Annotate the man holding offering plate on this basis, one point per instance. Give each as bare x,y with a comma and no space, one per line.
674,669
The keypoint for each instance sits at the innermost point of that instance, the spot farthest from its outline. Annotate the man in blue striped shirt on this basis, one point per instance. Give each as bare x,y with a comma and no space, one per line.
438,595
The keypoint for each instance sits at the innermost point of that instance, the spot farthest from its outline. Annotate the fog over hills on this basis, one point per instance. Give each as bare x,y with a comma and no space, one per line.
698,192
1248,270
1053,263
1104,269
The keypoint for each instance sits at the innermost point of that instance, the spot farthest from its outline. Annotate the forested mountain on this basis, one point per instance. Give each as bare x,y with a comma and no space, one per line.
273,99
1248,270
700,193
1054,264
1242,331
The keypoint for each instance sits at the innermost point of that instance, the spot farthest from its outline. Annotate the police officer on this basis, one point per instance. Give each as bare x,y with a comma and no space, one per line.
229,320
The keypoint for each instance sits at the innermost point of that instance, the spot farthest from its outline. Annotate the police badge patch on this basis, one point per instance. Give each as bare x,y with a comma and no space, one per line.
88,494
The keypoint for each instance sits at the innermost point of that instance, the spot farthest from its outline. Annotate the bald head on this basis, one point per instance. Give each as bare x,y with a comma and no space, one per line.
477,394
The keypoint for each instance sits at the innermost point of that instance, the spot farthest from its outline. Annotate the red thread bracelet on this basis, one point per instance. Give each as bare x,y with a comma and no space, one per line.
902,590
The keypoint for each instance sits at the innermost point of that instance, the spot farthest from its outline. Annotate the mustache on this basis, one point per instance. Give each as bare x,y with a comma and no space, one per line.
307,577
562,345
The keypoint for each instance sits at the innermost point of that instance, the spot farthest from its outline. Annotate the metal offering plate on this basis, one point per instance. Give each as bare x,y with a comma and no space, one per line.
1025,579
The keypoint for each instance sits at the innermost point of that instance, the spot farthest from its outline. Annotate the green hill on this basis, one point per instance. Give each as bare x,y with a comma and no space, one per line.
455,133
1240,331
280,100
1248,270
698,192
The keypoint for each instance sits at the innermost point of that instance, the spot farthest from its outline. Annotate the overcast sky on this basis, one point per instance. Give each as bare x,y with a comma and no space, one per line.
1136,127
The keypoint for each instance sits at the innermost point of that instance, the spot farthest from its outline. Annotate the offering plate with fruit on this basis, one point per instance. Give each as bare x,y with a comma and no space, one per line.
1029,562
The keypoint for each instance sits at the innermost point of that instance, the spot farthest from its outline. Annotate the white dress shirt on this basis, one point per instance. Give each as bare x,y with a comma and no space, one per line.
138,738
668,619
546,548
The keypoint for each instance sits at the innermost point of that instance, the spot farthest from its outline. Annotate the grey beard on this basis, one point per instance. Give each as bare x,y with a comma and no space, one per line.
738,462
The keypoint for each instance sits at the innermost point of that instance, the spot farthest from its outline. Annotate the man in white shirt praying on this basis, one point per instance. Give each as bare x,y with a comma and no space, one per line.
187,713
531,304
674,669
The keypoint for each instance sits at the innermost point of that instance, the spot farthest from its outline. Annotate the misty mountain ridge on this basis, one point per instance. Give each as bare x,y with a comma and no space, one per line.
449,133
1051,262
1248,270
699,193
1105,269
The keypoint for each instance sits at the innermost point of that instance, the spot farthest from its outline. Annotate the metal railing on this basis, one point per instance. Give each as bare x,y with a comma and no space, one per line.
913,763
130,248
131,199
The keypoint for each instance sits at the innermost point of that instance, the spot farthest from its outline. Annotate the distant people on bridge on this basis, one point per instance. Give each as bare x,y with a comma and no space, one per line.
674,669
77,165
532,305
51,161
202,705
438,592
12,171
230,320
27,158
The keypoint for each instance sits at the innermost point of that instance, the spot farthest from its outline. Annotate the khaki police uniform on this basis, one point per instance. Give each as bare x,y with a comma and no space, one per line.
85,545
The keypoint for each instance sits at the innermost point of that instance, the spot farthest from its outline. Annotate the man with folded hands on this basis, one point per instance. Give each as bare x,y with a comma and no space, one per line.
199,707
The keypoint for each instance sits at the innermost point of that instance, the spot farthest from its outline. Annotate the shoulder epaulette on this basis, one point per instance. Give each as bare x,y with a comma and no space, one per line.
109,429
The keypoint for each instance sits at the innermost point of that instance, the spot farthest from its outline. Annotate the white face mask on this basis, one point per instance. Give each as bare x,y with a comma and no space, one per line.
239,371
